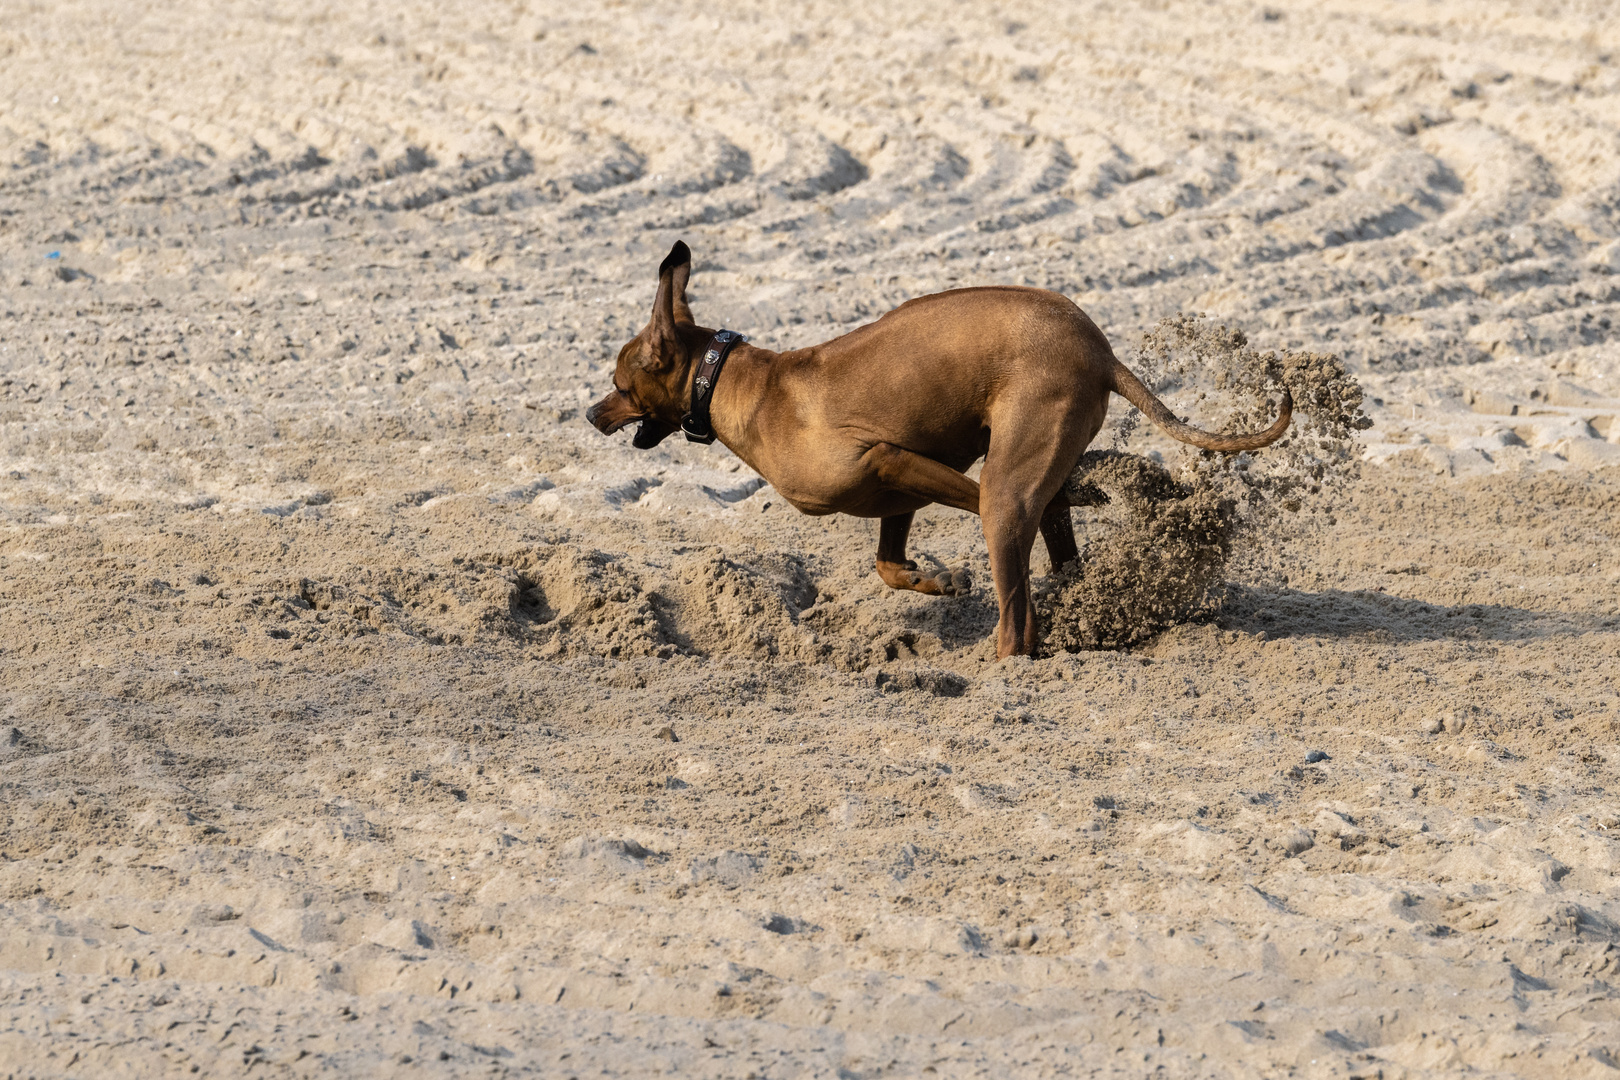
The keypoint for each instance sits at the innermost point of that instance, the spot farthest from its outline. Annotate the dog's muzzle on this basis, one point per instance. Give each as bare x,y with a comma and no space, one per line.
649,431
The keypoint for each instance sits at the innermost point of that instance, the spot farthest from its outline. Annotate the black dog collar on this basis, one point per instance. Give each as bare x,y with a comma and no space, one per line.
695,424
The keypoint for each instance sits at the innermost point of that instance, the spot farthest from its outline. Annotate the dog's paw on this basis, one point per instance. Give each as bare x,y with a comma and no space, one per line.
906,576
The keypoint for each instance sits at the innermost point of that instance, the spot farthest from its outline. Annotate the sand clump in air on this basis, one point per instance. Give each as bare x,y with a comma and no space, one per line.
1158,554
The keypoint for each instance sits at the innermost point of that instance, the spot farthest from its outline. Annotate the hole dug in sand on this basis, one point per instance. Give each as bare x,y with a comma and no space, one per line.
1158,554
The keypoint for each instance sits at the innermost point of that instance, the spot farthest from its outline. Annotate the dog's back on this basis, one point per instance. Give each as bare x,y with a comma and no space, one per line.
936,370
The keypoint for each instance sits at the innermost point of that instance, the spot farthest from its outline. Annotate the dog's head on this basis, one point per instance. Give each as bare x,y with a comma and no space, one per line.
650,379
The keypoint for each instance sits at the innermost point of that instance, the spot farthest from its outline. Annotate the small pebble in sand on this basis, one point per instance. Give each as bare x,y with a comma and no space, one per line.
666,733
1314,756
1021,938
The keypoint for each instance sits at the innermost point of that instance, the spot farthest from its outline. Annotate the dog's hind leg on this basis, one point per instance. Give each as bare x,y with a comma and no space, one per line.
899,572
1010,526
1022,476
1057,529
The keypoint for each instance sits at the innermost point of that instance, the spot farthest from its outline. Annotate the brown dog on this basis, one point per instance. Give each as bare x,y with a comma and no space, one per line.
883,421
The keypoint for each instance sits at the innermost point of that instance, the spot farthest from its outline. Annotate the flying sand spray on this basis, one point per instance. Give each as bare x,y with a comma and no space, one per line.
1158,554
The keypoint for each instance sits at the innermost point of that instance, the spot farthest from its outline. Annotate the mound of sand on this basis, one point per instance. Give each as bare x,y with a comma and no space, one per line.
1157,566
1164,545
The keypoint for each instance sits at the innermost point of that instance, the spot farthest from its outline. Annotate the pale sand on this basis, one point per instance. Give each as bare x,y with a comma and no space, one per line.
337,645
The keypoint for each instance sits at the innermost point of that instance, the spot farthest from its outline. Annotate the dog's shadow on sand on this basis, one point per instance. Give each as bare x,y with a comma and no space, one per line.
1294,613
1378,616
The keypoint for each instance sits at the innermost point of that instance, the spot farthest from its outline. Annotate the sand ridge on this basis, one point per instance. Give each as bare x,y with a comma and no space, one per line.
364,711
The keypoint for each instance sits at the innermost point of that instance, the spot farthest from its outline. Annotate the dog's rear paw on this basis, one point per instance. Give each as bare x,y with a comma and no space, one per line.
954,582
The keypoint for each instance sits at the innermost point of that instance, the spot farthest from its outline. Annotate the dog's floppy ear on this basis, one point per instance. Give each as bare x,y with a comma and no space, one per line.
661,338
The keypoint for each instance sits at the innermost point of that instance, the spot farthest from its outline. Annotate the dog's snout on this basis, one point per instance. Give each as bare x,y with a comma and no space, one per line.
611,413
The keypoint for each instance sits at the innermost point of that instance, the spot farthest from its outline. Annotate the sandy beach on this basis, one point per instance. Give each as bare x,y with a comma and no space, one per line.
365,713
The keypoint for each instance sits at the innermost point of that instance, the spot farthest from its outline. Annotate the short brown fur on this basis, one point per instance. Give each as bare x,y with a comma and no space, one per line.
885,419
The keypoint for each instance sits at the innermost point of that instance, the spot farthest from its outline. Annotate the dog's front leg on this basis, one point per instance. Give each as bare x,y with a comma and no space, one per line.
899,572
898,469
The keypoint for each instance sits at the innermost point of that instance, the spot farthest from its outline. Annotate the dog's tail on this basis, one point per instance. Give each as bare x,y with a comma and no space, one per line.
1129,387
